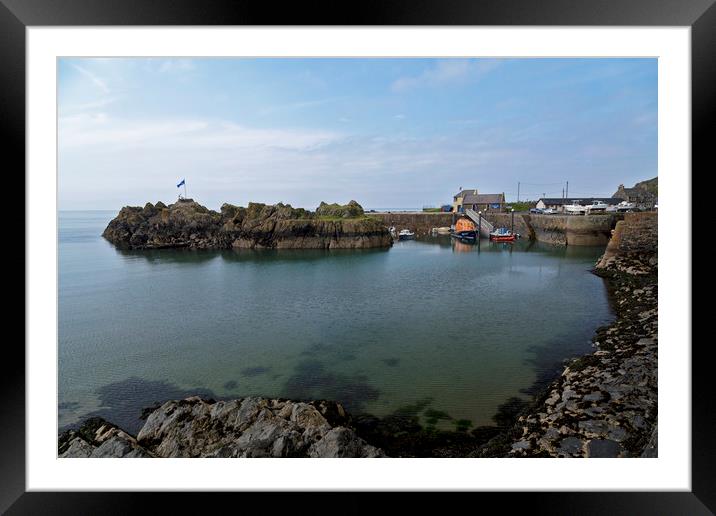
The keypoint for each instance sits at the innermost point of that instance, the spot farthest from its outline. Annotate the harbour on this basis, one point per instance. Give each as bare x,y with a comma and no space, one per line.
460,328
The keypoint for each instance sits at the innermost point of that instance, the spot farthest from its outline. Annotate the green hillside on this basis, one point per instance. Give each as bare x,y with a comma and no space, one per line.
652,185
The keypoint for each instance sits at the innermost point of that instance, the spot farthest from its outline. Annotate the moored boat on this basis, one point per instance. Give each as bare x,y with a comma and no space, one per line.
502,235
406,234
464,231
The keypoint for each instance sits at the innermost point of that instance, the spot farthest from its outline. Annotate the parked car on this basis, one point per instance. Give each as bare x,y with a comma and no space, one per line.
549,211
536,211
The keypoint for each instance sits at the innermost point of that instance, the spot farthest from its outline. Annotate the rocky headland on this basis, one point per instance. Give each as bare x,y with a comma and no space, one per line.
188,224
248,427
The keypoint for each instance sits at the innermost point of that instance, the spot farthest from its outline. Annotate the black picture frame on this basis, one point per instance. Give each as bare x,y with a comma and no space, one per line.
16,15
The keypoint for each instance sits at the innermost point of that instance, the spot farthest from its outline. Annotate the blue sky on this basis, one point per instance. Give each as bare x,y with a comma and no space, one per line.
389,133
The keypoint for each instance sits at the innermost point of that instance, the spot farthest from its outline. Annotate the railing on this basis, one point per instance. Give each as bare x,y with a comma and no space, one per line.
475,217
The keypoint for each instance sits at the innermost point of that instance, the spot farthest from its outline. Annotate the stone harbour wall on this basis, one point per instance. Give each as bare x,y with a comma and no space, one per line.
593,230
636,235
421,223
573,229
504,220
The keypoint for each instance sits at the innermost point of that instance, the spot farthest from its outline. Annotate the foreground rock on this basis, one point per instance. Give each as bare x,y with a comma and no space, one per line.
188,224
97,438
604,404
248,427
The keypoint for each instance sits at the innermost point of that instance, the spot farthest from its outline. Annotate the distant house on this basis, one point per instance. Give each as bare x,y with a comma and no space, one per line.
557,203
639,195
472,200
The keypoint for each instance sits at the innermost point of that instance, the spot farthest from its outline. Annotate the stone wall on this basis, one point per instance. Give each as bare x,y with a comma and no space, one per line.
420,223
560,229
573,229
504,220
637,234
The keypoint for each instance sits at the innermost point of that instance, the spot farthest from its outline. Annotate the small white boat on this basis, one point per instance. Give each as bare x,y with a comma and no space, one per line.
574,209
622,207
596,207
406,234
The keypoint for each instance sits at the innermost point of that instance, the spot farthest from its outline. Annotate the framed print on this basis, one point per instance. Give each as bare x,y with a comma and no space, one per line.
406,251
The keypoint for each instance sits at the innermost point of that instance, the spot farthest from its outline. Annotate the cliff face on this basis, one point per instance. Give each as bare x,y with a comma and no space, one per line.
248,427
258,226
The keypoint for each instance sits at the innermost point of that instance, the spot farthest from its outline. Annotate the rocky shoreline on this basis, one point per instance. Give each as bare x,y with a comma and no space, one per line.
187,224
604,404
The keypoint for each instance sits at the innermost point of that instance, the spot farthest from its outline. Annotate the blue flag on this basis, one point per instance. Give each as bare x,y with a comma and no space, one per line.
182,182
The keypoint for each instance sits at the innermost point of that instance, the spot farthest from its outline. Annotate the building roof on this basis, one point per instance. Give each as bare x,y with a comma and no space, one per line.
468,197
559,201
463,193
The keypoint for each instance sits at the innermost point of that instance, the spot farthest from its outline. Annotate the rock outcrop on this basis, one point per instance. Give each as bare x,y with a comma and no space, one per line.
248,427
97,438
259,226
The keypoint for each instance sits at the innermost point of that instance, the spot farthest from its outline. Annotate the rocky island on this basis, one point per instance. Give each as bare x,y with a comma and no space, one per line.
188,224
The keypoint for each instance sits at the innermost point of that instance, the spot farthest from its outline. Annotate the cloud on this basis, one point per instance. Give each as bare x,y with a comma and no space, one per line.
303,104
109,162
445,72
96,80
88,106
89,131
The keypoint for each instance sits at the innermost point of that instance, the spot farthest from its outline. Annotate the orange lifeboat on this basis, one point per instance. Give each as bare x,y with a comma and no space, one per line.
465,230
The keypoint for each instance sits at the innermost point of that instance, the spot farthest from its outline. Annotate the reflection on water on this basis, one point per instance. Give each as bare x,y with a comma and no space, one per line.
466,327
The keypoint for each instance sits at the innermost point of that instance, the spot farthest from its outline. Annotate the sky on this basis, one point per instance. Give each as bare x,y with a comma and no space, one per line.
390,133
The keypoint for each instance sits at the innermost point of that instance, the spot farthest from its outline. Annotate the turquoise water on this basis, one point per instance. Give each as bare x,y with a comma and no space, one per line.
458,327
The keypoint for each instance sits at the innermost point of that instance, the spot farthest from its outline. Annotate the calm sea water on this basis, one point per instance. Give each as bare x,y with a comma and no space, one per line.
450,327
